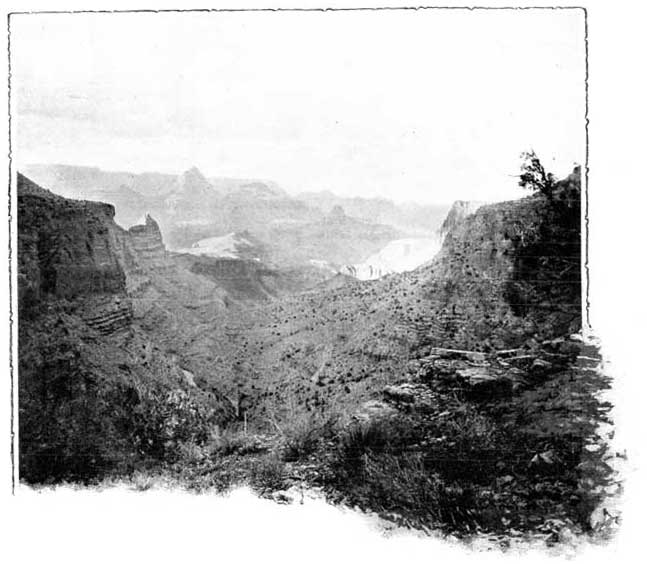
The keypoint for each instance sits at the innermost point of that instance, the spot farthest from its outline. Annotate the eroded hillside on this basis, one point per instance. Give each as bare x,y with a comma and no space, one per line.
453,396
507,277
96,395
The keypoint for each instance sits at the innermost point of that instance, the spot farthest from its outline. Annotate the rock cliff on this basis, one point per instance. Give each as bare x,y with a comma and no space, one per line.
146,240
508,272
65,251
457,213
91,382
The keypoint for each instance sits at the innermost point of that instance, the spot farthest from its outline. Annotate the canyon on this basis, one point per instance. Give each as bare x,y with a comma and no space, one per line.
195,212
218,362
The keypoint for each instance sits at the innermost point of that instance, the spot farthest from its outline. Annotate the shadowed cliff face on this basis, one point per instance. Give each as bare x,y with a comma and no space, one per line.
64,246
545,284
509,272
96,395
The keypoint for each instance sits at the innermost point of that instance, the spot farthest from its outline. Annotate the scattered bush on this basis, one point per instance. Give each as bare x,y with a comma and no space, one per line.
80,423
164,420
427,471
232,441
268,474
305,433
382,465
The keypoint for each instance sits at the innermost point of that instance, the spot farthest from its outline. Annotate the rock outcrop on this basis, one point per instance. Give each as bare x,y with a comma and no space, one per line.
64,247
74,250
508,272
146,240
457,213
109,316
96,394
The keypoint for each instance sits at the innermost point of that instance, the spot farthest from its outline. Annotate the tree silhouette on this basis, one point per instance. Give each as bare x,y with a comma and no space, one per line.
534,176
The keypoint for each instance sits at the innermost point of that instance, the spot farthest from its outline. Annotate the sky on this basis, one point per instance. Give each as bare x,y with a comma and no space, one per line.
428,105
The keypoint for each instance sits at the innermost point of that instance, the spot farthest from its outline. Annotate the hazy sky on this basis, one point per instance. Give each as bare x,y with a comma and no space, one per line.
428,105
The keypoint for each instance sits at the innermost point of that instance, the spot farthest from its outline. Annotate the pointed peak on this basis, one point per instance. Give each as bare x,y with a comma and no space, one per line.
193,181
143,219
194,174
146,220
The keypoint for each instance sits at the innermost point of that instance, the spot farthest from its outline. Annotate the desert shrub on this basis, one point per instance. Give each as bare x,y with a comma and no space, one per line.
79,423
163,420
233,441
365,438
382,434
268,474
474,467
429,472
465,446
405,484
191,453
402,485
305,433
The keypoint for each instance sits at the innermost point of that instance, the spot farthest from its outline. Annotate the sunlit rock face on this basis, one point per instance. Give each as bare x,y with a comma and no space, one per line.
146,239
401,255
231,245
404,255
457,213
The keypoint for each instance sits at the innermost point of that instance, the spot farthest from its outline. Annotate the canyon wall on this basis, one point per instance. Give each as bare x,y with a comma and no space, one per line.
509,272
65,251
96,392
147,243
64,246
457,213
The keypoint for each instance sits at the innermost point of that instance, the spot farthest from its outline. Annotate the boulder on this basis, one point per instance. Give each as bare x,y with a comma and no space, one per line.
478,375
472,356
484,383
375,409
540,367
403,392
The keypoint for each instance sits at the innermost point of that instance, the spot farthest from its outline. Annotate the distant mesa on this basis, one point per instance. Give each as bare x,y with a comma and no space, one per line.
336,215
260,190
193,182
